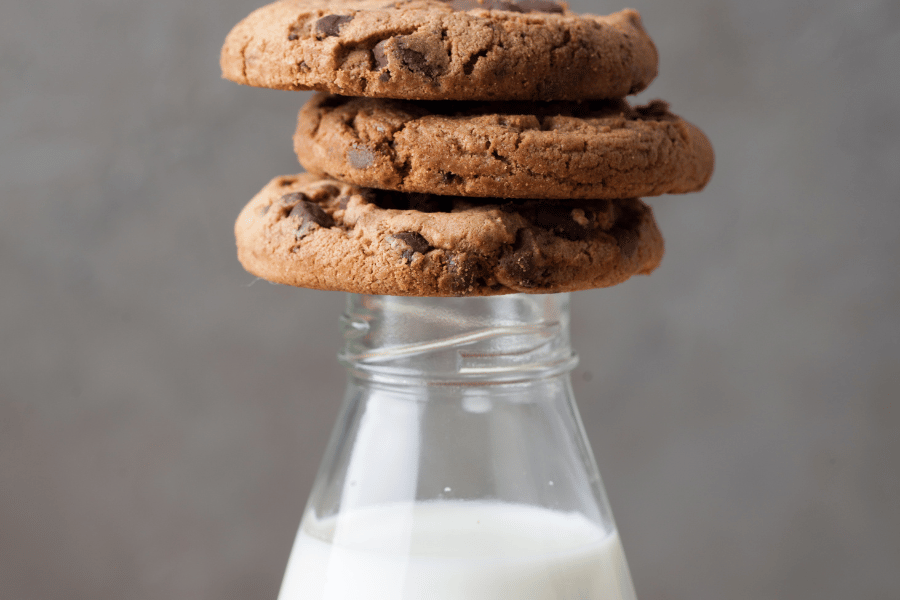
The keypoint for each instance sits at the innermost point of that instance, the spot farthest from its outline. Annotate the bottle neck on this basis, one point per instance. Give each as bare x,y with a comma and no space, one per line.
457,341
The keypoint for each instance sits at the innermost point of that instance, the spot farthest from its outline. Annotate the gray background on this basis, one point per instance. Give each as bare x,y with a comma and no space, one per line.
161,418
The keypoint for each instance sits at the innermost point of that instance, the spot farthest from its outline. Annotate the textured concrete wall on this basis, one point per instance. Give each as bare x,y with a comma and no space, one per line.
161,415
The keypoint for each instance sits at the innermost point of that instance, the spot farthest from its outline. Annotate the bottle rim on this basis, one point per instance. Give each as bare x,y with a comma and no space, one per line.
473,344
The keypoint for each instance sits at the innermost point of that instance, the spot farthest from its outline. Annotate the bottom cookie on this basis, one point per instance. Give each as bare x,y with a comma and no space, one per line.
317,233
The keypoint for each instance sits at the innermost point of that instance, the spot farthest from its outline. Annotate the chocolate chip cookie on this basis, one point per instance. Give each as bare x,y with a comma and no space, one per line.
597,149
305,231
441,50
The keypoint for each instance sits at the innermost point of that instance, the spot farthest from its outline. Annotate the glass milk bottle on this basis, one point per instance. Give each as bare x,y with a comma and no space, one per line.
459,468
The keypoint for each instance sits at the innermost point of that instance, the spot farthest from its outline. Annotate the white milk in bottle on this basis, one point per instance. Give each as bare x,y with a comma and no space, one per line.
455,550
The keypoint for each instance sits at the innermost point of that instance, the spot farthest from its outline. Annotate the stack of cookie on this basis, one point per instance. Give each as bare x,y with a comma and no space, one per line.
461,147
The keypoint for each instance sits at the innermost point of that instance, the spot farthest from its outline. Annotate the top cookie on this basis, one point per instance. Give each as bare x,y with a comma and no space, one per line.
441,49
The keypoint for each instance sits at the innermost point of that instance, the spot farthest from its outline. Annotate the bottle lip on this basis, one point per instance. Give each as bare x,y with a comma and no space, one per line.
469,376
435,342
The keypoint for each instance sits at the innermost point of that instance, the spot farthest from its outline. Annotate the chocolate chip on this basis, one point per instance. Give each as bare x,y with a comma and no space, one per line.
564,220
330,25
625,231
521,267
292,199
381,59
466,273
311,216
414,241
627,241
324,192
360,157
295,31
415,61
520,264
560,220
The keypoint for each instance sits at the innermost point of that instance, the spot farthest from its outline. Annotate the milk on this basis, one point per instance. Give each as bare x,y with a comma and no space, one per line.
453,550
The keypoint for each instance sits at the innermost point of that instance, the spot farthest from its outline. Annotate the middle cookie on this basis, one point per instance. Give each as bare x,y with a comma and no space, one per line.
552,150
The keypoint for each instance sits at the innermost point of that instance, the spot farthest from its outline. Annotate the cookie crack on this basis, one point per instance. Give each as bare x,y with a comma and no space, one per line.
567,40
315,130
469,65
504,159
244,59
402,167
403,170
